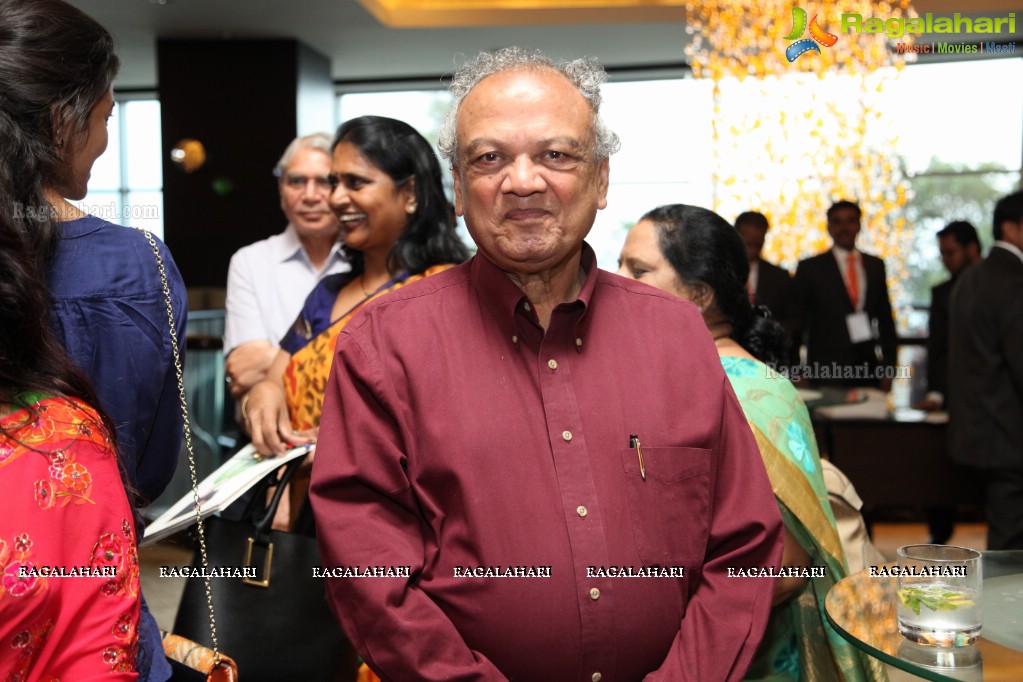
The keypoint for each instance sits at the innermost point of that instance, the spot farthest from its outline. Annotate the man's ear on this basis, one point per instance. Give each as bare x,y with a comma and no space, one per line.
456,176
1012,232
603,173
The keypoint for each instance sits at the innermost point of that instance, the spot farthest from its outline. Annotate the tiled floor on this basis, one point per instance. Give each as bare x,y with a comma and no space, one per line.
163,594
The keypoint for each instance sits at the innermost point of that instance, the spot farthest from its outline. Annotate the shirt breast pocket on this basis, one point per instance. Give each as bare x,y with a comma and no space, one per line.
670,508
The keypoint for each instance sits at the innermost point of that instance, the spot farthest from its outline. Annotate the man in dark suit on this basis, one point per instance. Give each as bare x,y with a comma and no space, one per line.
959,247
842,311
768,283
986,374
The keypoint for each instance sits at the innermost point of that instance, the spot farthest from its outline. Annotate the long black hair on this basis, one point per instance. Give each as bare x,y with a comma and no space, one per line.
56,63
32,360
702,247
393,146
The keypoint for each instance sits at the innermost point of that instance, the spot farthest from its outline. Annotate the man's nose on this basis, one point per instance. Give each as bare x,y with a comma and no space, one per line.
312,191
523,177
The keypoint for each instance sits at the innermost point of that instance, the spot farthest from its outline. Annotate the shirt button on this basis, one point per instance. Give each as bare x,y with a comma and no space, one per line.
594,593
581,511
552,363
579,342
567,435
525,306
596,677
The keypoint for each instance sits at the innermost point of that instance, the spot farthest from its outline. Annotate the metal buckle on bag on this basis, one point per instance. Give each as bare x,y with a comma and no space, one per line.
265,582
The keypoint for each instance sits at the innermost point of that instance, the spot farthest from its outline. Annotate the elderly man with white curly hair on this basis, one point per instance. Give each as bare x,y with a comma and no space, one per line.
537,468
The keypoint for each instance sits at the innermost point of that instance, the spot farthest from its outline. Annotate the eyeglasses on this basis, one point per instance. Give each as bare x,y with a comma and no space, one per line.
298,183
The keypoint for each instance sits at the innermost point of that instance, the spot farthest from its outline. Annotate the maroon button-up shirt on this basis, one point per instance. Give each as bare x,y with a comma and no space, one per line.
457,436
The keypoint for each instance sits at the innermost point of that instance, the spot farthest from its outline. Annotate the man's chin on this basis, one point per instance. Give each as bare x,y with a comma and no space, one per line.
529,260
316,228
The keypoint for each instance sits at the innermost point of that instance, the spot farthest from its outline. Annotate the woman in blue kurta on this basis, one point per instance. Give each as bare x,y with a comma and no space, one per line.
108,309
694,254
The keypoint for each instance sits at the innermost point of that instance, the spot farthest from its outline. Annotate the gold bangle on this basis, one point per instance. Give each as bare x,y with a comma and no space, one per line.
245,407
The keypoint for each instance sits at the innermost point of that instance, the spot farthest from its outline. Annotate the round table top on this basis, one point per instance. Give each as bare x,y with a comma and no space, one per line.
862,608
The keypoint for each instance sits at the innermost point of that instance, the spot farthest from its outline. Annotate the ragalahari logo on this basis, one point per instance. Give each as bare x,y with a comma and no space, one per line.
817,35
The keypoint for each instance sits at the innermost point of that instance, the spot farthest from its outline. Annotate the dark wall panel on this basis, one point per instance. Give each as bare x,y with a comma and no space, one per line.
240,99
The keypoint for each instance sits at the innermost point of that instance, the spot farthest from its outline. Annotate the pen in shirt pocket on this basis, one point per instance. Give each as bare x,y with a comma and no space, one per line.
634,443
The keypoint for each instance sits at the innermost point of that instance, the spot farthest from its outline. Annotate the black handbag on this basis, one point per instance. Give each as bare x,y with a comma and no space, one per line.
276,625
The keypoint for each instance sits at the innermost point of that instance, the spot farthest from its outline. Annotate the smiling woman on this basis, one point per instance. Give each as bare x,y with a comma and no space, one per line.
397,227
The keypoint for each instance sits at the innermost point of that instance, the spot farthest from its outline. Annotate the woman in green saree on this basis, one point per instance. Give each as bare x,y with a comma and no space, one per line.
695,254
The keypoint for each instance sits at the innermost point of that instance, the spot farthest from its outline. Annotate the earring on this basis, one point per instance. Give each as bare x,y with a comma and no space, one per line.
60,140
410,209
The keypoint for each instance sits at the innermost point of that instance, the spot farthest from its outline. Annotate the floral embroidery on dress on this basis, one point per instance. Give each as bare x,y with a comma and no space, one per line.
799,447
40,431
17,579
17,582
118,552
120,657
25,643
740,367
55,428
44,494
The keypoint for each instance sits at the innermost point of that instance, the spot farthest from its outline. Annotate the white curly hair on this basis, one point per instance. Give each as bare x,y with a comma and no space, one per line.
585,74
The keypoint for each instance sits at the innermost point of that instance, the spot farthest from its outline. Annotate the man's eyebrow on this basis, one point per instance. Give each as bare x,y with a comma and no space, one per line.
475,145
572,143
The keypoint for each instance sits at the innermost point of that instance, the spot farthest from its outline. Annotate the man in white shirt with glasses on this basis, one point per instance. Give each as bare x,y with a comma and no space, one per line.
269,280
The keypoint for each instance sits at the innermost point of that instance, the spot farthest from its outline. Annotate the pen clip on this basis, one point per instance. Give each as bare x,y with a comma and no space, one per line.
634,443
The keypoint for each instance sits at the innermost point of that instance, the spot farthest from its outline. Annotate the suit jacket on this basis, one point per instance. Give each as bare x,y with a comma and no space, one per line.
773,285
820,306
986,372
937,339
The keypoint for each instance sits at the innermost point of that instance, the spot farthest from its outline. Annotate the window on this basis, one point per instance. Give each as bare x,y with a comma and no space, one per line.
126,186
959,153
665,130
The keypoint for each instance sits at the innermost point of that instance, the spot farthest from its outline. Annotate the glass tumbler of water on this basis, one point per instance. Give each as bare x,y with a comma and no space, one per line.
939,594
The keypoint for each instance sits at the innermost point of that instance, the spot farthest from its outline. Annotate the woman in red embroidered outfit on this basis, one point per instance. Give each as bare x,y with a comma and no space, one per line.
69,576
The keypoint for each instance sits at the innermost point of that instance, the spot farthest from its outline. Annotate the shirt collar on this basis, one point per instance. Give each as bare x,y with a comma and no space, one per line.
504,299
289,247
1011,248
840,253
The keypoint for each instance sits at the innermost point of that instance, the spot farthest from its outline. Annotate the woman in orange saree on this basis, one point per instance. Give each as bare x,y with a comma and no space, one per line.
397,227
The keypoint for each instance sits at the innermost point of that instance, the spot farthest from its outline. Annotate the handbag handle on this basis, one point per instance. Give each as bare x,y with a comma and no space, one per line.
186,424
262,525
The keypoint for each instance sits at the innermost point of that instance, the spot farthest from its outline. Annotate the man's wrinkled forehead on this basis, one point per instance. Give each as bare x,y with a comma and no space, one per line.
523,84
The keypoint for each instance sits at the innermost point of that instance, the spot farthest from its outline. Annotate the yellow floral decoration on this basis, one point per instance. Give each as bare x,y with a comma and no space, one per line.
790,138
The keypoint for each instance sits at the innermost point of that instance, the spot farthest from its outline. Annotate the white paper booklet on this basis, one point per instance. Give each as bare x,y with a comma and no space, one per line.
219,489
